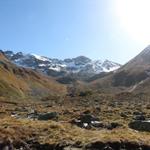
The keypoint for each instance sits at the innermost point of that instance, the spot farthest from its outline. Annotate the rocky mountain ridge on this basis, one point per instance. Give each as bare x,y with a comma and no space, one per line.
80,65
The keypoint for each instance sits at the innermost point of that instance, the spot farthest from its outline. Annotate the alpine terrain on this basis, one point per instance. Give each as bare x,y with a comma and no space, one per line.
81,66
74,104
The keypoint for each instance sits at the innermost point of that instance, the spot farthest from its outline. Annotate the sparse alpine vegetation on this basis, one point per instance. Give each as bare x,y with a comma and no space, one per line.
109,110
22,83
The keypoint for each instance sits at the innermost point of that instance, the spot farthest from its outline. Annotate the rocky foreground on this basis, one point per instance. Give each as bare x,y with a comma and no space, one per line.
104,122
92,146
24,134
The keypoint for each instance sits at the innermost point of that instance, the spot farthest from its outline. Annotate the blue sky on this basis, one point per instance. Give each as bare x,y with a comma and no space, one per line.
65,28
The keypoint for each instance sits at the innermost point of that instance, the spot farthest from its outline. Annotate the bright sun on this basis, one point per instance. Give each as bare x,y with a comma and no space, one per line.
134,17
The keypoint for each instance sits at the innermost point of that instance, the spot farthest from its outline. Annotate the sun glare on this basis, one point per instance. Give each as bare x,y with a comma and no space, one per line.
134,17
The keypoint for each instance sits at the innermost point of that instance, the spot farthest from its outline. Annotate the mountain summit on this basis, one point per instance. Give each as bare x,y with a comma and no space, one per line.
81,65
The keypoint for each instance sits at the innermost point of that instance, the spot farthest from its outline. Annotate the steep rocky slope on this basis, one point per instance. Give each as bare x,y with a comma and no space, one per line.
133,76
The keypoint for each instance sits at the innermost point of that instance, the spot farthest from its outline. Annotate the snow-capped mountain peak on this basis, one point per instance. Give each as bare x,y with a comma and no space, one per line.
42,58
79,65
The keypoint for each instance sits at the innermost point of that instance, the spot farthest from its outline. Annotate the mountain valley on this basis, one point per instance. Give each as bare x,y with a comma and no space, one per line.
74,104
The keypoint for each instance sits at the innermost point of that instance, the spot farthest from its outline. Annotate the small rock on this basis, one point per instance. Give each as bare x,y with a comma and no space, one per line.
48,116
107,148
113,125
138,113
139,117
87,121
124,115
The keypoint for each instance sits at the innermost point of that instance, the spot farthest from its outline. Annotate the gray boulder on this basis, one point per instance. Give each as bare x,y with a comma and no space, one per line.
87,118
113,125
87,121
48,116
140,125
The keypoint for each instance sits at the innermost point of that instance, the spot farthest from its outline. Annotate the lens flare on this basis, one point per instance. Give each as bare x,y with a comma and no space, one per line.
134,18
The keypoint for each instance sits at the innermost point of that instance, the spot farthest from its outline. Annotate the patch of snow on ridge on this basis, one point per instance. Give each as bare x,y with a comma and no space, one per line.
40,57
42,65
111,69
57,68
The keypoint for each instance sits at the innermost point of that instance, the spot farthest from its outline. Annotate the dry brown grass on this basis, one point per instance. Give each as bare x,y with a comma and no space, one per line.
17,82
56,132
